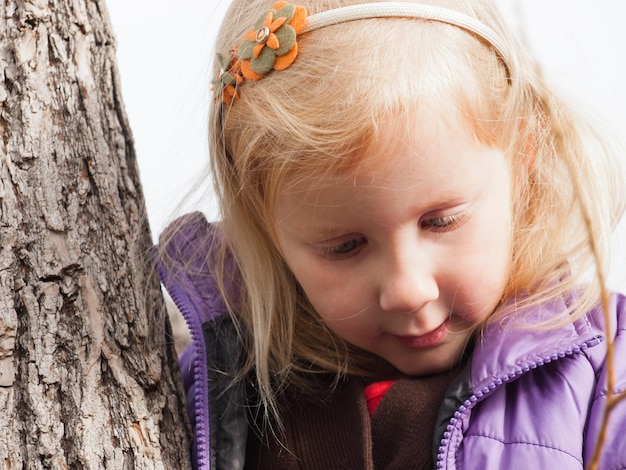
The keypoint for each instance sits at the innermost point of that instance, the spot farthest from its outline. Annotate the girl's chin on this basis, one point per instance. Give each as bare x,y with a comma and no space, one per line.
430,365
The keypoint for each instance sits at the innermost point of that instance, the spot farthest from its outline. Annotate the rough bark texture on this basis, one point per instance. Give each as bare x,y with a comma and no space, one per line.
88,376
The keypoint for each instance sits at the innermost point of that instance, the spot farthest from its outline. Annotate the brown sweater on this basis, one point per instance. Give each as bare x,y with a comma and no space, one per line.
340,434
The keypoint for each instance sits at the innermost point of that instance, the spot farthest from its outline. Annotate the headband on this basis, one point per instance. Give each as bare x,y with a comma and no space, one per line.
272,42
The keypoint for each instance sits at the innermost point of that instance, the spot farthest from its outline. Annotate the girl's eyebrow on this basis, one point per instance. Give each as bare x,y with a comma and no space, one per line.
313,229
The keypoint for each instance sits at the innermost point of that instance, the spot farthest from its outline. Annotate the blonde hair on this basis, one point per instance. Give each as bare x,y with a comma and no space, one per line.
316,117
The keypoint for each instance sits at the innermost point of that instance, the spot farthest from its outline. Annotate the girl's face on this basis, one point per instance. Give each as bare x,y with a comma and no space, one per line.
408,257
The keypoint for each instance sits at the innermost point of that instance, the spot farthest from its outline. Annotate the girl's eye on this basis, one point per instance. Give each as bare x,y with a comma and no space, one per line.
344,249
443,224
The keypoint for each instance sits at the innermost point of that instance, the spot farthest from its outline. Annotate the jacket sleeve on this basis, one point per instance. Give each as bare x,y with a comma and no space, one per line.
614,448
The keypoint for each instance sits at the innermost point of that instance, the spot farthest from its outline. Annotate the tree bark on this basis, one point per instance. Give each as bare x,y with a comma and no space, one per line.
88,374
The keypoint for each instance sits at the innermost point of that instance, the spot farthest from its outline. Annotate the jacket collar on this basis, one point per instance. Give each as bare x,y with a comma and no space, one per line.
513,345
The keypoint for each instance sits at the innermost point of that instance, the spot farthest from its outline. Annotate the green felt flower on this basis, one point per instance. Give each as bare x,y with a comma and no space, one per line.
225,85
271,44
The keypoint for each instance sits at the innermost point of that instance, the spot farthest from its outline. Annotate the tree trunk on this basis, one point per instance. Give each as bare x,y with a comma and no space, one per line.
88,374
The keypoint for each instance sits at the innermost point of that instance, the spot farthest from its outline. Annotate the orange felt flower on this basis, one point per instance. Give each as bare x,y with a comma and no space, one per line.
271,44
265,36
229,78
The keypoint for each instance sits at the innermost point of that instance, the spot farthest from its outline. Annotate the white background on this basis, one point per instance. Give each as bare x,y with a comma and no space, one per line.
165,53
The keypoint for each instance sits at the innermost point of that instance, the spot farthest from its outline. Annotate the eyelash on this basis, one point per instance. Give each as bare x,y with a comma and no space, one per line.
443,224
343,250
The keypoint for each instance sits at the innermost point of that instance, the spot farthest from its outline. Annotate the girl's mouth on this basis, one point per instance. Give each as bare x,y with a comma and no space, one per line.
427,340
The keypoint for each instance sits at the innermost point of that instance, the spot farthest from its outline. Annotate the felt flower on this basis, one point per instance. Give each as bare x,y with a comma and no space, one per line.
271,44
225,85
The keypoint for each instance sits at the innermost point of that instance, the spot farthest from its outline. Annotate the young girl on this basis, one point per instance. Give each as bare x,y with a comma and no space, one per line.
409,269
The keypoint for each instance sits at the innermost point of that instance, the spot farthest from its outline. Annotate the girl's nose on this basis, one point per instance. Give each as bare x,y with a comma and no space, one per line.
407,286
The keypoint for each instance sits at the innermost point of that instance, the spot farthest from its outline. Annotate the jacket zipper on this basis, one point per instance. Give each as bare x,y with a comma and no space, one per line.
480,395
200,374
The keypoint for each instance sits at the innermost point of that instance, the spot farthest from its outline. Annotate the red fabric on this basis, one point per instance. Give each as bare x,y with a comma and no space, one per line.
375,392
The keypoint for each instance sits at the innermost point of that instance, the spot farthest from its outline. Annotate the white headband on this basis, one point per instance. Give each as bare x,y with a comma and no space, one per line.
406,10
271,44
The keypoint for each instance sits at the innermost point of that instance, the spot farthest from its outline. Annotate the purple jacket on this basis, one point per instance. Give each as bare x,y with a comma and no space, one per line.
528,398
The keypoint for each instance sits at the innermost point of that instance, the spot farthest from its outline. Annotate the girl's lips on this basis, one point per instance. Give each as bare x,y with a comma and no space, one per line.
427,340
